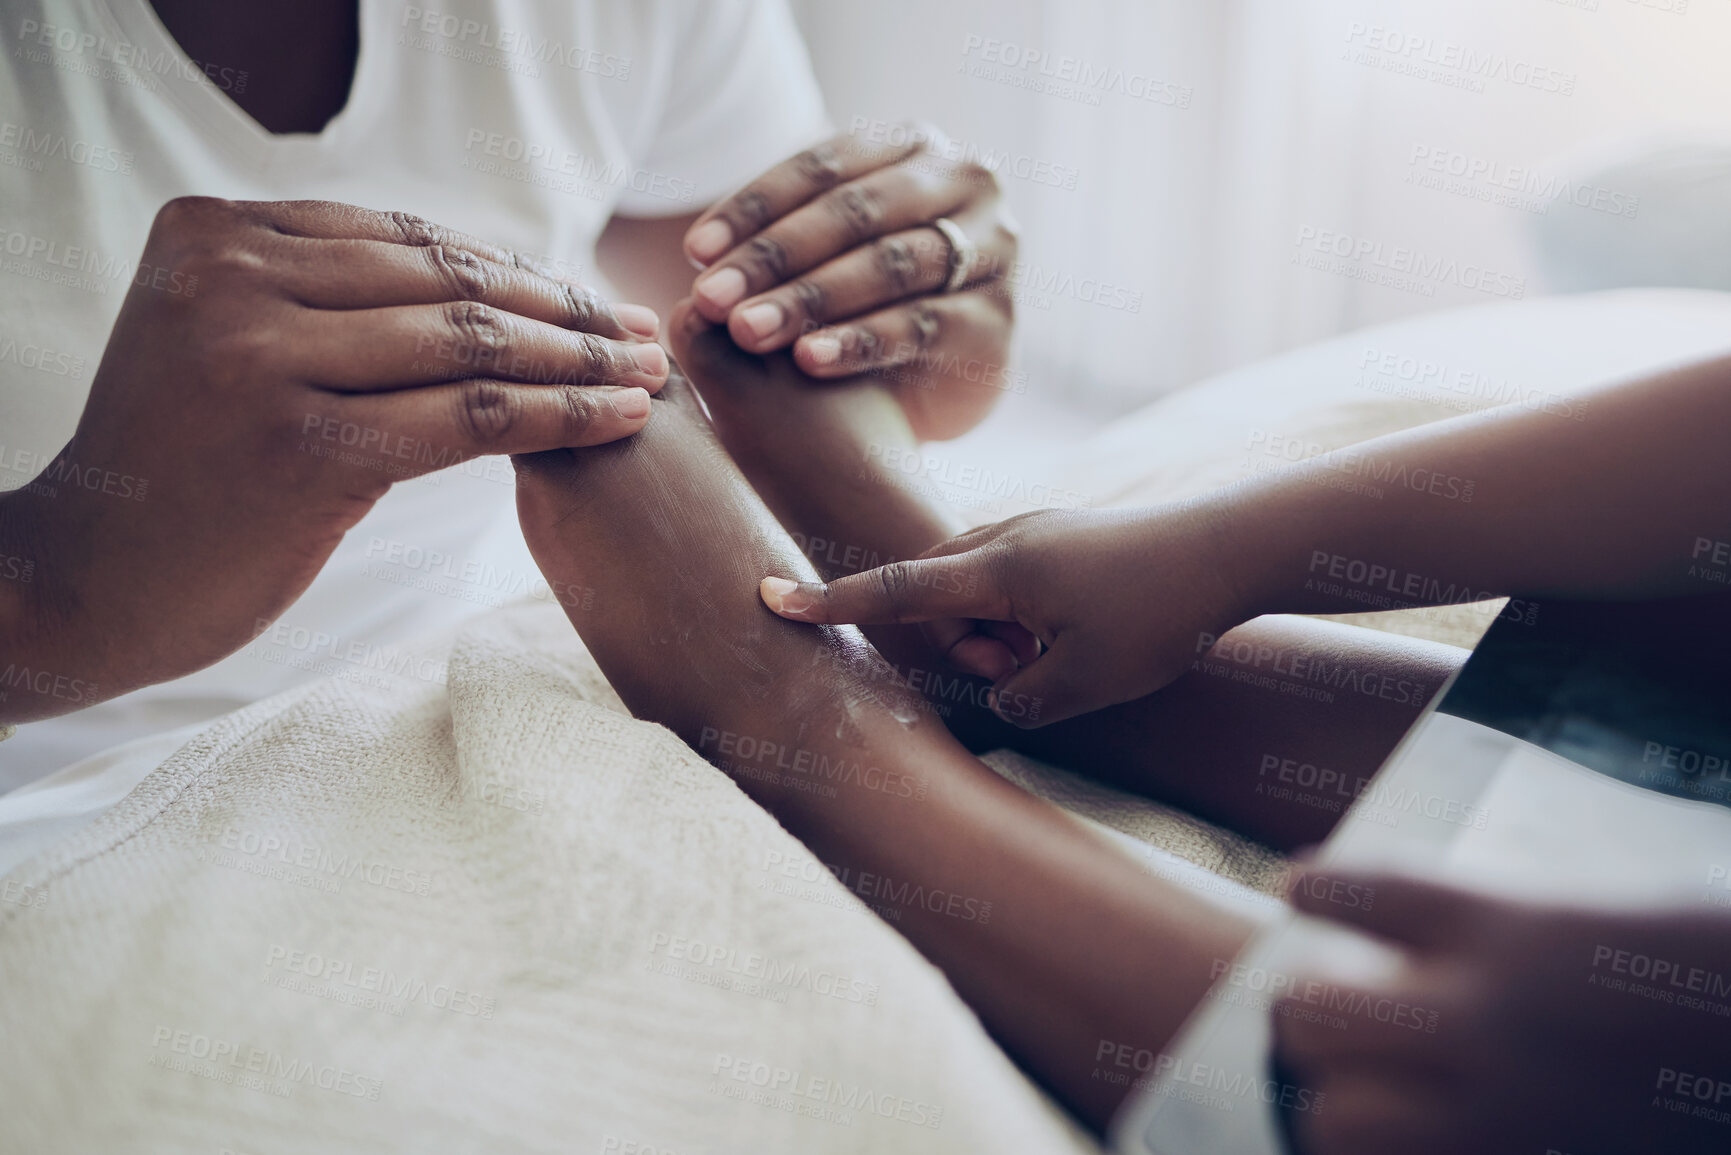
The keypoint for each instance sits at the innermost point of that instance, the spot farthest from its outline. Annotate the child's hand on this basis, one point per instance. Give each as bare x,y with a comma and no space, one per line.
1122,602
1512,1027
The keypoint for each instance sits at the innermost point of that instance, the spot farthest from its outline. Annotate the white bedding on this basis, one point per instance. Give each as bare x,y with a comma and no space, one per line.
460,919
558,838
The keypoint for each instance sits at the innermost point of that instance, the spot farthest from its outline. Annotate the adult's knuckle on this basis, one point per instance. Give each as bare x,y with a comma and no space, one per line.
487,411
894,582
414,230
810,299
201,237
480,332
598,356
192,214
858,210
770,256
898,263
577,410
752,210
820,165
217,261
926,324
466,276
582,308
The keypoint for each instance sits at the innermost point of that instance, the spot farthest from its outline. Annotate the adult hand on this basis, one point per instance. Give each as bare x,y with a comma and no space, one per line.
835,253
1123,601
277,369
1525,1028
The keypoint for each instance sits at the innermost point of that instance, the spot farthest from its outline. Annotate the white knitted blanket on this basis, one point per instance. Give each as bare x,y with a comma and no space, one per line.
491,915
497,914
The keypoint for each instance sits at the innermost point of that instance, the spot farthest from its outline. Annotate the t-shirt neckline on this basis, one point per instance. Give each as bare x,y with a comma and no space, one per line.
224,120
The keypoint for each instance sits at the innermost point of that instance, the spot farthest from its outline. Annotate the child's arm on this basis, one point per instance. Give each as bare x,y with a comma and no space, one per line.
1628,496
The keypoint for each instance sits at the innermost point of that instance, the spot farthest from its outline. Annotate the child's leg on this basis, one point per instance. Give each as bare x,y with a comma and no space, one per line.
1058,939
1277,764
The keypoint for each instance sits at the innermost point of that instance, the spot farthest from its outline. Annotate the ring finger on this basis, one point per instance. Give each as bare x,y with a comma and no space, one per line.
886,201
900,265
911,263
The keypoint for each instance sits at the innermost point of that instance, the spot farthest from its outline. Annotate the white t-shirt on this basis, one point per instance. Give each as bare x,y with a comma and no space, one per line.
528,124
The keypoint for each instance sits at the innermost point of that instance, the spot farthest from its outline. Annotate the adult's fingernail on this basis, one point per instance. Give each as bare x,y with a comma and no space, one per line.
709,240
823,350
640,319
786,597
763,319
723,288
651,358
630,404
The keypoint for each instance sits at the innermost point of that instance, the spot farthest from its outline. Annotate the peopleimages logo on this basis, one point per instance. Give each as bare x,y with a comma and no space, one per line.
38,146
227,1061
799,1092
82,267
127,57
483,150
783,973
342,980
1446,62
1515,185
335,866
1400,266
464,33
1069,77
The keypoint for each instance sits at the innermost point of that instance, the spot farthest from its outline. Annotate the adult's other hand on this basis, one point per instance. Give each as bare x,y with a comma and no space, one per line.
275,367
837,252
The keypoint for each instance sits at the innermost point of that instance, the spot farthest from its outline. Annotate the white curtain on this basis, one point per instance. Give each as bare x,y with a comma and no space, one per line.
1193,169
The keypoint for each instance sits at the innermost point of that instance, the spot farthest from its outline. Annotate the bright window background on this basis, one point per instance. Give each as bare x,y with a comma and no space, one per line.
1198,210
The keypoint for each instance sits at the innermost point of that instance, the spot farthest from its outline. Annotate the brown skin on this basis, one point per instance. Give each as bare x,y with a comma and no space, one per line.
1646,460
203,396
1522,1036
977,834
299,58
832,254
1530,1053
1200,743
671,538
1543,1059
298,358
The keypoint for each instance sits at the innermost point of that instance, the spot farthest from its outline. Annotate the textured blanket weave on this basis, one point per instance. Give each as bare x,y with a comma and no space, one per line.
504,917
